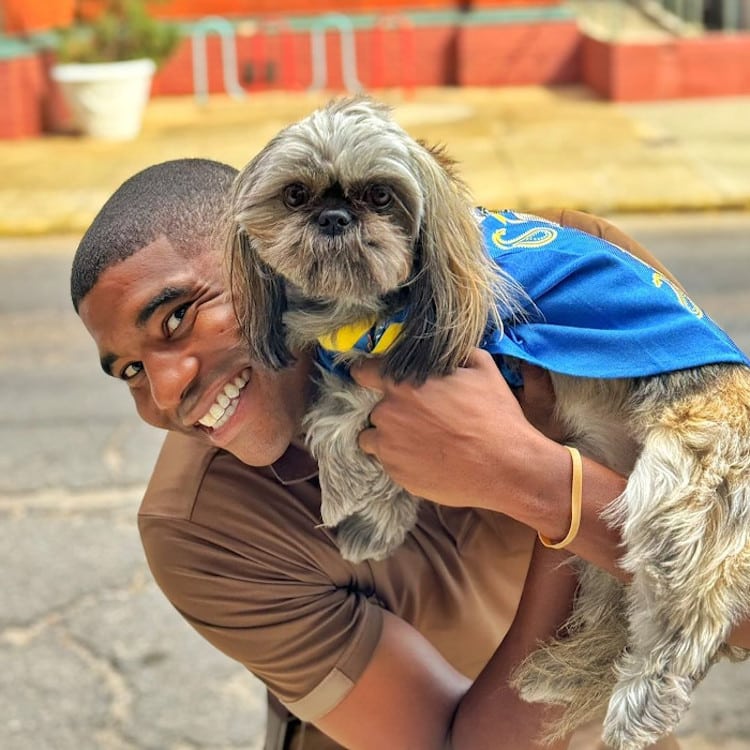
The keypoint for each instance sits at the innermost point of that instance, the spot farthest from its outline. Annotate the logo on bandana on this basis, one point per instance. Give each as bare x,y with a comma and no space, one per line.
536,237
659,280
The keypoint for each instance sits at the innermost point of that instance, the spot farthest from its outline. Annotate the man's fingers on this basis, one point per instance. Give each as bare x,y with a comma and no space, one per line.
537,385
367,440
367,373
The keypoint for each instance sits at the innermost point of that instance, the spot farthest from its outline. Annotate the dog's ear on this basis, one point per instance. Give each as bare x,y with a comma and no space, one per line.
259,302
451,289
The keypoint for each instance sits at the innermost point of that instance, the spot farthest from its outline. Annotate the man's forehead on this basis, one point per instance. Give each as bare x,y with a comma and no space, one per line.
127,293
156,265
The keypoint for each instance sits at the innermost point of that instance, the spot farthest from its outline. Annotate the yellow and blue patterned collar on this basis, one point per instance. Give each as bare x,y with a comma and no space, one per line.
370,335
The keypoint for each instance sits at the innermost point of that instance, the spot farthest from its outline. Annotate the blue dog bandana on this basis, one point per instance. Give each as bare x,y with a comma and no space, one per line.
594,309
590,309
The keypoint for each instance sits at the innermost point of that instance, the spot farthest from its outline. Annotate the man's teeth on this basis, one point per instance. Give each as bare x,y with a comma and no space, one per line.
226,402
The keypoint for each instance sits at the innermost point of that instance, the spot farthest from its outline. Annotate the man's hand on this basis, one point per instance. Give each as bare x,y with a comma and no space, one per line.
537,399
461,439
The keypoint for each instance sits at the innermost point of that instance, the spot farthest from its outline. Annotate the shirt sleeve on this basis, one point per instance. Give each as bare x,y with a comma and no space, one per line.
248,570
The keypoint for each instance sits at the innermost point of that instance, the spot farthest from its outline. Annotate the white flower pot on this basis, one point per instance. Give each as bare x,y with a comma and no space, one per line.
106,99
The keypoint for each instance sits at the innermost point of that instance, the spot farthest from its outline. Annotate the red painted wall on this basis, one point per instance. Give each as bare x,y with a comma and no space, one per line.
198,8
424,56
519,54
713,65
503,54
21,16
20,92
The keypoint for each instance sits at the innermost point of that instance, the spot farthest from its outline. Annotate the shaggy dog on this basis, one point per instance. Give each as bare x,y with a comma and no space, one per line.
349,236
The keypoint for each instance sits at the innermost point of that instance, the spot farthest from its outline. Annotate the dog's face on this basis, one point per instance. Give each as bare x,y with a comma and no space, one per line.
333,203
342,209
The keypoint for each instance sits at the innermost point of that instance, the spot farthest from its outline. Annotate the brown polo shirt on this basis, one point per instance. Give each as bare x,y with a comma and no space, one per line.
240,553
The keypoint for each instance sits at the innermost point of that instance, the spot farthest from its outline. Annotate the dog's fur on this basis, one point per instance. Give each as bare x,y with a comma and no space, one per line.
343,217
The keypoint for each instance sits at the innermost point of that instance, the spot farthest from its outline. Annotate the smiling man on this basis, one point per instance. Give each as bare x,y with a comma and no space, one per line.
164,323
413,652
148,339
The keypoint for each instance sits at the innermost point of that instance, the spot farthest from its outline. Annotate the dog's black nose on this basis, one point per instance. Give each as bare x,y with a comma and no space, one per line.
334,221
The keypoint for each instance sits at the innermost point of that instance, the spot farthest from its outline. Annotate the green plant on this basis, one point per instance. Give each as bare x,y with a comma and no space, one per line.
124,30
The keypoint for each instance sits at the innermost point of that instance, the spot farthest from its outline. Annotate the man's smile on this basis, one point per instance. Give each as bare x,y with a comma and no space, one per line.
226,402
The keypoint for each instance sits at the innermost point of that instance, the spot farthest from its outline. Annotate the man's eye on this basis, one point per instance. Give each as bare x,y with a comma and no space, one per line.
174,320
131,370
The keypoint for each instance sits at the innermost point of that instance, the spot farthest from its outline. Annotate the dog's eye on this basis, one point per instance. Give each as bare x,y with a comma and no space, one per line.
295,195
379,196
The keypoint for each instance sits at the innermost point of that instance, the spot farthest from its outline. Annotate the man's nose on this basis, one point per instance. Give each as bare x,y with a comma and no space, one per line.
170,375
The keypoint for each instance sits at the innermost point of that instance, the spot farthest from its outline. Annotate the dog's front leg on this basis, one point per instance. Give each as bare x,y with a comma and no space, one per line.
371,514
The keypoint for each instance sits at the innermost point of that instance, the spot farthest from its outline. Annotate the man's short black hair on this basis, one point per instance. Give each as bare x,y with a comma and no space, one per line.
182,200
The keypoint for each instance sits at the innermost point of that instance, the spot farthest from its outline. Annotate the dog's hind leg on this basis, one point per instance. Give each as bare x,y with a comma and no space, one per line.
576,670
371,514
685,520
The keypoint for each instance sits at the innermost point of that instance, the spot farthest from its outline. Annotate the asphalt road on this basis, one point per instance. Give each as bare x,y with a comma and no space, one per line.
91,655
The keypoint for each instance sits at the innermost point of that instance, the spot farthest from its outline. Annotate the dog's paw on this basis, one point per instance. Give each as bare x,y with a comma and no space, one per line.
358,539
644,709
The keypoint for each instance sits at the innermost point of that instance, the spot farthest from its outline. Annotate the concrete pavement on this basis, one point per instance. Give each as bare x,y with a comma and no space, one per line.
527,147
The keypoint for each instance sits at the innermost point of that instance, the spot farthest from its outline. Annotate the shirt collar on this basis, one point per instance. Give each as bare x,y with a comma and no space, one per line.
295,466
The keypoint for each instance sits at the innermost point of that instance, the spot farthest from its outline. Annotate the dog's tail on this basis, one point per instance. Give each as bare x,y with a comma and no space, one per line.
576,671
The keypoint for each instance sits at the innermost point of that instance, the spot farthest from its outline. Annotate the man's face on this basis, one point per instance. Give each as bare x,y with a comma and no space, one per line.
165,325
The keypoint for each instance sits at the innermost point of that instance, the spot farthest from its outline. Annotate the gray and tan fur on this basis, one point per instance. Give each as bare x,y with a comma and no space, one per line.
308,281
342,217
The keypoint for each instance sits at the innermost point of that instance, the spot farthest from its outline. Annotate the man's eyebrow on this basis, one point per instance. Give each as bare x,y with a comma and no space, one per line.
168,294
106,362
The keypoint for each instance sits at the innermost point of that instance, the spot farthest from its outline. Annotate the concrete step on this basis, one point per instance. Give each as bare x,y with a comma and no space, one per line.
625,21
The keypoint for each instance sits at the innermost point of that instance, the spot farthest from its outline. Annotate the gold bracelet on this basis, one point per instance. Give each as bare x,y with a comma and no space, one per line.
575,504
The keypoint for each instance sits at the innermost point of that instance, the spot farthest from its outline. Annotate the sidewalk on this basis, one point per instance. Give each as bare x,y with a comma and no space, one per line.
525,148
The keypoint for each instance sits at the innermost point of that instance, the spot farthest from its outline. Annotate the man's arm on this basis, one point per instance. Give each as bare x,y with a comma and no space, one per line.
463,439
409,697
